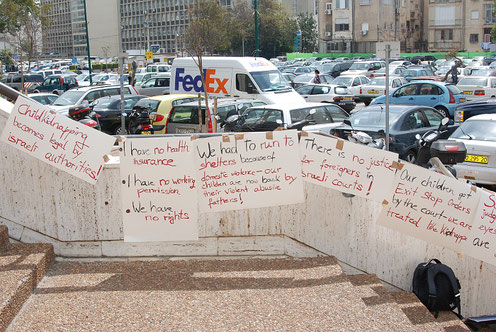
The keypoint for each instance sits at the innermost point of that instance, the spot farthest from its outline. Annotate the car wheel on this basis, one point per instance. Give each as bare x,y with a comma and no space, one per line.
118,131
411,156
443,111
36,91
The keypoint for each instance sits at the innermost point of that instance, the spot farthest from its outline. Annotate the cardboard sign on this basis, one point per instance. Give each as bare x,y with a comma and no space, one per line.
347,167
430,206
159,197
57,140
248,170
482,241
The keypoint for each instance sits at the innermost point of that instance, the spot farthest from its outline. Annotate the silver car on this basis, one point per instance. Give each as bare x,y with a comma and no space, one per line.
156,86
478,133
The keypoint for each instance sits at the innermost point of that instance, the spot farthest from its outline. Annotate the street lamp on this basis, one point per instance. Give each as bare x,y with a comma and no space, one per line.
147,30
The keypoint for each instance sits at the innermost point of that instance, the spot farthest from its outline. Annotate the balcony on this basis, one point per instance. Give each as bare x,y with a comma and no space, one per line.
444,45
445,22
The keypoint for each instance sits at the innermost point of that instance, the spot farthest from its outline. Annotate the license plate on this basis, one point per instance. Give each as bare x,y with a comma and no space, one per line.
467,92
347,98
476,159
373,91
462,100
146,133
184,131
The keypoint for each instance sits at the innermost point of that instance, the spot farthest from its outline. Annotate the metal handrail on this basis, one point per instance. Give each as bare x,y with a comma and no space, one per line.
8,92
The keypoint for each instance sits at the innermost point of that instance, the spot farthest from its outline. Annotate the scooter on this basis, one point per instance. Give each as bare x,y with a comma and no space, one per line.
440,154
84,115
139,121
361,137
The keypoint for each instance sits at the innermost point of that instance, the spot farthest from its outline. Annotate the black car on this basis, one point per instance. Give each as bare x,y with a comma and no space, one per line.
405,122
416,58
108,110
334,68
471,108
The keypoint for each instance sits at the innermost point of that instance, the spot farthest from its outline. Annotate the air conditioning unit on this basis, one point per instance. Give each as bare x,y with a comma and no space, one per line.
328,11
327,34
364,32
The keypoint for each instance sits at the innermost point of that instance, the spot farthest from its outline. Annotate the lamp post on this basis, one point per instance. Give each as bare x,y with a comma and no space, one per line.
256,27
147,25
87,41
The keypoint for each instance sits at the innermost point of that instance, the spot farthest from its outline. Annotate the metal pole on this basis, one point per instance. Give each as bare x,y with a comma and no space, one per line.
256,27
87,40
121,79
388,54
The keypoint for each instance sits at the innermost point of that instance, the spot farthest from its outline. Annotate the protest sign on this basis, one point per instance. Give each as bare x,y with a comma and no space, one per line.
347,167
159,197
482,241
430,206
57,140
248,170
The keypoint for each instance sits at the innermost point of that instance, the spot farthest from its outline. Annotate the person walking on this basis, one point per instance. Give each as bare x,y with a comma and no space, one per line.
316,79
454,74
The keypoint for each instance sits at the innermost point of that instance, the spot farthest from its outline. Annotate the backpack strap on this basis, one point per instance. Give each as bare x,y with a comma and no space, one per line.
431,274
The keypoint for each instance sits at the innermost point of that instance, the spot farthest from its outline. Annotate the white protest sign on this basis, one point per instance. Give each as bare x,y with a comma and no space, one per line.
57,140
248,170
482,241
347,167
159,197
430,206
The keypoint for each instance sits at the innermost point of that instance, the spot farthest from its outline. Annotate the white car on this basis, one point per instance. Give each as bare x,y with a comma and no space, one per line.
393,71
477,87
377,87
352,82
328,93
366,68
478,133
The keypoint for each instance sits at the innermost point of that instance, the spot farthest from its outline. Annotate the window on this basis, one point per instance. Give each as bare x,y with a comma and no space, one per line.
444,15
320,90
364,2
475,14
337,114
474,37
433,117
413,121
342,24
365,27
329,6
342,4
444,35
489,17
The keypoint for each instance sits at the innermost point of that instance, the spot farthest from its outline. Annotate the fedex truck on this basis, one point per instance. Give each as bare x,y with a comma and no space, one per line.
236,77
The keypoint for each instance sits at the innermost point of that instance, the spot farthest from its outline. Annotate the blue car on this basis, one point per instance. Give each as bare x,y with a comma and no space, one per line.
442,96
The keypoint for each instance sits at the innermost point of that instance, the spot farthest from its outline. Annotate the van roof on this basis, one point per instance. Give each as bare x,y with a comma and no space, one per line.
248,63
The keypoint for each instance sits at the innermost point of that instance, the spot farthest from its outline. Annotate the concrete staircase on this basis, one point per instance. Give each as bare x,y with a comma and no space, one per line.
250,294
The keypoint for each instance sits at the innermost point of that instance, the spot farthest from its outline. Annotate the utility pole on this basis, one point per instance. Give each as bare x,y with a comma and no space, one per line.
256,28
388,55
87,41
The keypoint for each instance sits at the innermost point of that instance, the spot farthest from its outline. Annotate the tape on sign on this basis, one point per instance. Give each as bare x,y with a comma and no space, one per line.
339,144
474,188
53,112
303,133
269,135
106,158
237,137
225,139
397,165
193,137
384,202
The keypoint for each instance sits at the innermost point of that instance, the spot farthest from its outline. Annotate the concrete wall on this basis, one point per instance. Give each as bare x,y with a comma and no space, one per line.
40,203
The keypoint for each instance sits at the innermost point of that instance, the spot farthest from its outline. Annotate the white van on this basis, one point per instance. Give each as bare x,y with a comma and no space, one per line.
158,68
237,77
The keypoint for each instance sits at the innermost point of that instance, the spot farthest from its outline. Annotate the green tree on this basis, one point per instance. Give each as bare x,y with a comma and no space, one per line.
309,34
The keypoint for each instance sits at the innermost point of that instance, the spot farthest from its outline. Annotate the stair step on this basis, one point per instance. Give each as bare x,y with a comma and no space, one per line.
4,237
22,266
418,313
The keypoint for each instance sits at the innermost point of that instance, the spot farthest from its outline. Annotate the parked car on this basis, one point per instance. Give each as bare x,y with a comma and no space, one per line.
483,71
366,68
57,84
308,79
155,86
299,70
141,78
352,82
87,95
31,81
393,71
377,87
442,96
405,122
290,78
326,93
43,98
397,63
48,72
108,110
478,87
83,79
423,58
184,118
335,68
416,71
479,136
469,109
322,117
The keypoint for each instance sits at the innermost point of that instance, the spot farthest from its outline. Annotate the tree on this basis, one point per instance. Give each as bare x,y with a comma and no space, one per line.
309,34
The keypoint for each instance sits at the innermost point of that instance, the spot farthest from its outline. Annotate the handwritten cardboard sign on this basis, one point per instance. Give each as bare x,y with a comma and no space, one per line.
482,241
248,170
430,206
159,197
347,167
57,140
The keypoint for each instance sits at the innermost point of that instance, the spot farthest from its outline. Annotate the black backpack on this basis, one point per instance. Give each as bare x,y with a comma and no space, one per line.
437,287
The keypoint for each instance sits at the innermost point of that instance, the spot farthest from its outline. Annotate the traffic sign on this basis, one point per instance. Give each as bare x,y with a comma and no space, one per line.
149,55
154,48
74,60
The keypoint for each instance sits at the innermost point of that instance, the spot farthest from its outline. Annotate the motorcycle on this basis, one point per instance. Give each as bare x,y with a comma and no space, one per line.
440,154
139,121
361,137
84,115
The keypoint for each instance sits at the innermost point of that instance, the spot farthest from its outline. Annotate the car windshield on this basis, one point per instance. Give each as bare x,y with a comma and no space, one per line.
68,98
304,78
481,72
148,103
377,81
473,81
481,130
271,80
342,80
81,77
409,72
103,102
317,115
373,119
359,66
453,89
